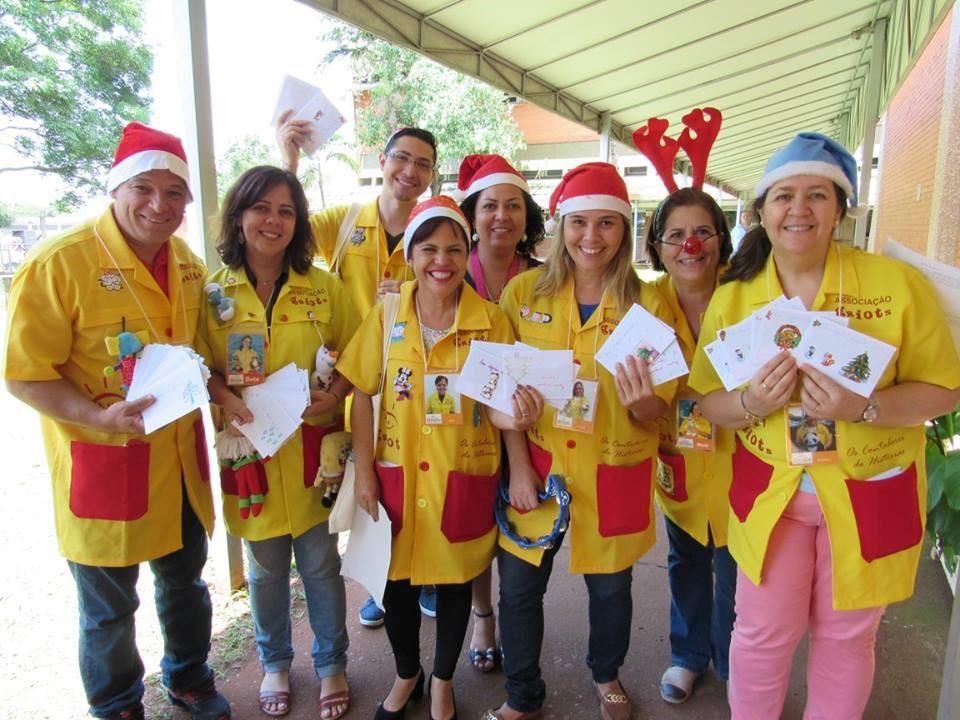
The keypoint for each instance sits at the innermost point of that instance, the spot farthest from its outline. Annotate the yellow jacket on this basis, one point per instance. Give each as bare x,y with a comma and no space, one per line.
437,483
610,472
311,309
692,485
875,527
117,498
363,263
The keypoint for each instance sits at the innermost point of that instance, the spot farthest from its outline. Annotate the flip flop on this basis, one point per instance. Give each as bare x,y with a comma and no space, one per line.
331,701
275,697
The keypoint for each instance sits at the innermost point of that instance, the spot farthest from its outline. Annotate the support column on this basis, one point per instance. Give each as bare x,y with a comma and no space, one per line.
944,238
942,245
190,23
871,116
605,144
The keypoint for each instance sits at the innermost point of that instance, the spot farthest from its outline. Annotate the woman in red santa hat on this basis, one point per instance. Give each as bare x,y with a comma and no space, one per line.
607,460
507,225
435,474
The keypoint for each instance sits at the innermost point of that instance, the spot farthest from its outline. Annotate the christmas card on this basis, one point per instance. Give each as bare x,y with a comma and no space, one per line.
853,359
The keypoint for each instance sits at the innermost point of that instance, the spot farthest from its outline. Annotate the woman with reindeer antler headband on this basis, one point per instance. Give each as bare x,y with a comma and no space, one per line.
689,239
606,457
823,546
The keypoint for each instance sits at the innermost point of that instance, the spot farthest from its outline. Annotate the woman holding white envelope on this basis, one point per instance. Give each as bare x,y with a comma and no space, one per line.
507,225
286,309
688,237
574,302
823,546
435,473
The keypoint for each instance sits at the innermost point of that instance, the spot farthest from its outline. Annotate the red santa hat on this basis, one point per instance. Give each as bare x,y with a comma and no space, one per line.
478,172
144,148
591,186
435,207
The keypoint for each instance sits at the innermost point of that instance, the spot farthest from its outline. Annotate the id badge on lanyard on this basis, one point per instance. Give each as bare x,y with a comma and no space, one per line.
809,441
246,355
441,400
577,412
694,431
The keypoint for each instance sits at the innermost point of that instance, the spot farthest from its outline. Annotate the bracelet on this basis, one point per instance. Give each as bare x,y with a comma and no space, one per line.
750,417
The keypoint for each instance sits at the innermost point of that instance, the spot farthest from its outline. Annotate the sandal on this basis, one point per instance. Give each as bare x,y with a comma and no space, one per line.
484,660
614,705
330,703
676,685
277,698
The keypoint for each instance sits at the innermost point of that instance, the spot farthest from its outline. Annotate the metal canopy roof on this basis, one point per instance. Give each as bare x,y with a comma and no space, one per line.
773,67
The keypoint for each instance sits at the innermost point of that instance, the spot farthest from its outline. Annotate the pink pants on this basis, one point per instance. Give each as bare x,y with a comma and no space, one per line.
796,595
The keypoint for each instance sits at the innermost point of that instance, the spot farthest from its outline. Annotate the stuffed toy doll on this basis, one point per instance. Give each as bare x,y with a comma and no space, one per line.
236,453
334,451
125,346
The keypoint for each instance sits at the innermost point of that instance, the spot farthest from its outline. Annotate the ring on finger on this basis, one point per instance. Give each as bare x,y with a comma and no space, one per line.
763,384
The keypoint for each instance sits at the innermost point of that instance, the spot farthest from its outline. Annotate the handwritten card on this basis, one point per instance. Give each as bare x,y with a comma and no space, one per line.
482,377
176,376
310,104
639,333
549,371
276,405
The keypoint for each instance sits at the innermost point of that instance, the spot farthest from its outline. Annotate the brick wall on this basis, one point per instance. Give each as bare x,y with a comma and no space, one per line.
909,156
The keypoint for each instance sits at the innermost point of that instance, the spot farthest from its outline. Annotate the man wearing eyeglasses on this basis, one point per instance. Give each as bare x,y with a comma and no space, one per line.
362,243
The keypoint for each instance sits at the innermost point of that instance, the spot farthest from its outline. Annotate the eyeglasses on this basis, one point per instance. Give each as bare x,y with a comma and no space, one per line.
405,159
692,245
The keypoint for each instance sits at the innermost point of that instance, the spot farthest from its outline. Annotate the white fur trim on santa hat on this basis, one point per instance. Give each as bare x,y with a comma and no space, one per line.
805,167
503,178
144,161
428,214
595,202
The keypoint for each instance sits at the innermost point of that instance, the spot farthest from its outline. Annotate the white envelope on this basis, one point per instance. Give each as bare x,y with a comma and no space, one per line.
482,377
176,376
308,103
367,558
671,364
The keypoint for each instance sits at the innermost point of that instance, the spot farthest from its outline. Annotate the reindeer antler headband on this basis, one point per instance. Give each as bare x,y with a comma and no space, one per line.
701,127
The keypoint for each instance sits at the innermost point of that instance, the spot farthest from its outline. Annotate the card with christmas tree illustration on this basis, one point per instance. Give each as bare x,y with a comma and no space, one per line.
855,360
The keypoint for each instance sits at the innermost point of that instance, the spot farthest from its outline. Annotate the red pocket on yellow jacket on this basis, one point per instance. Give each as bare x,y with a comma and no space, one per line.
887,512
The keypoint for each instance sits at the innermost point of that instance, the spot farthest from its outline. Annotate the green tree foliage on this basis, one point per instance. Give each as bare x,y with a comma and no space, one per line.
242,155
72,73
6,216
404,88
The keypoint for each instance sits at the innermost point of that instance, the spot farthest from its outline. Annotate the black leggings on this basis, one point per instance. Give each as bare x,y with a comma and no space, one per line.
402,607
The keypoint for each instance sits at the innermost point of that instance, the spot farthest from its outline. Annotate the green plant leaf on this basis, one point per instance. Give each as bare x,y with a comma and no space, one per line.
950,470
934,482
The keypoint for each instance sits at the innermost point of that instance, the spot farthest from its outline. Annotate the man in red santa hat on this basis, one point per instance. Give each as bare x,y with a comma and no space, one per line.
82,304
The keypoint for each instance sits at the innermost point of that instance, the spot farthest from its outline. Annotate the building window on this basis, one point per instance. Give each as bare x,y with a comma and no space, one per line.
636,171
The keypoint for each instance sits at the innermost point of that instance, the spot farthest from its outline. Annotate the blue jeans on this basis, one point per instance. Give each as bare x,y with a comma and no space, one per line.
522,587
110,665
703,582
268,577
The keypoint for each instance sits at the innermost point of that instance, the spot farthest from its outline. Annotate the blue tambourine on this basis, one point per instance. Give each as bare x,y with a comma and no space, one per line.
556,487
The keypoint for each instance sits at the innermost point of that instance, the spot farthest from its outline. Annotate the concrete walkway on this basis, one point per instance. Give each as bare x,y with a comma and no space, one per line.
909,658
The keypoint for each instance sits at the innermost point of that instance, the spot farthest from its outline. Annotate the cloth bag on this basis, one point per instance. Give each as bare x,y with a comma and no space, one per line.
341,516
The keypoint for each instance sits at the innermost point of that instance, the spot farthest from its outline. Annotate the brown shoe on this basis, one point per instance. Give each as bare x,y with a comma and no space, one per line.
495,715
614,705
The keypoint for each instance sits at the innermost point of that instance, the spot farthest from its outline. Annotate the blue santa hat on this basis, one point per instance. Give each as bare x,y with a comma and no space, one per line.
811,153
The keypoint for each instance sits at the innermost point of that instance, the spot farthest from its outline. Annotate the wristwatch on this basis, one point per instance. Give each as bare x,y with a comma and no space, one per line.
869,413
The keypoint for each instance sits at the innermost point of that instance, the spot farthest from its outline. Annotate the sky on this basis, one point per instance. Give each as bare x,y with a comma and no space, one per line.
252,44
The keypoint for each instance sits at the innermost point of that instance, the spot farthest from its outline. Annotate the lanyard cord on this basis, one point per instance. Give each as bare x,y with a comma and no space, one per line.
839,265
423,347
129,287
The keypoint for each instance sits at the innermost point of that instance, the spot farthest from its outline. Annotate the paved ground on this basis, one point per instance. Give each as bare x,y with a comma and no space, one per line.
909,659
